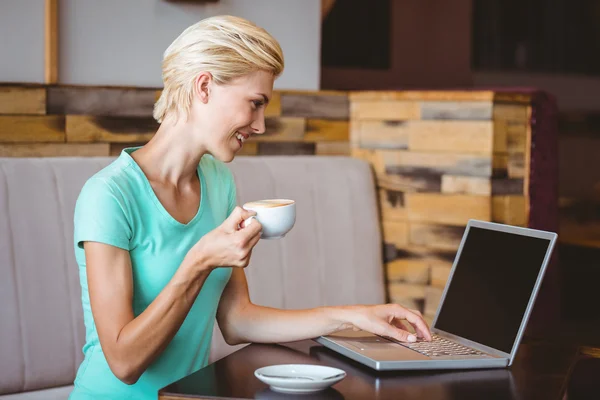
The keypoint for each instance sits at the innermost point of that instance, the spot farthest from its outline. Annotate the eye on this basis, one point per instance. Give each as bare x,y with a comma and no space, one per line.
258,103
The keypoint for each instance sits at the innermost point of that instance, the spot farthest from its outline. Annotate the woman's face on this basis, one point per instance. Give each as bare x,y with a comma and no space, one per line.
229,114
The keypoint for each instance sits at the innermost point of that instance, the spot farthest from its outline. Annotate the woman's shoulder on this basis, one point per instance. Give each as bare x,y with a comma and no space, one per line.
112,179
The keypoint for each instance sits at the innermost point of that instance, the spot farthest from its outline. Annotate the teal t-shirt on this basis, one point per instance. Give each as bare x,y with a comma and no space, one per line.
117,206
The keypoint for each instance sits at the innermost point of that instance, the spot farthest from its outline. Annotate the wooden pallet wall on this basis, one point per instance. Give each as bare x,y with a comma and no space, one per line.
440,159
88,121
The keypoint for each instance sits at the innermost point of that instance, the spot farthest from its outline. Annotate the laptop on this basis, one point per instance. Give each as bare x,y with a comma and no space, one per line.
484,309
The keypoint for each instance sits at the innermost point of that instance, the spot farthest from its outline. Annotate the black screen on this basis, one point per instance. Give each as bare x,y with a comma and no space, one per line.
491,287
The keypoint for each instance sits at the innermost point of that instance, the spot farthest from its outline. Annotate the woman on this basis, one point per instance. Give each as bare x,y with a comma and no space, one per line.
160,243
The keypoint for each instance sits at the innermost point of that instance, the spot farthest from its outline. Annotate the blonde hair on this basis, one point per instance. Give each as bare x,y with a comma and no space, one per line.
227,47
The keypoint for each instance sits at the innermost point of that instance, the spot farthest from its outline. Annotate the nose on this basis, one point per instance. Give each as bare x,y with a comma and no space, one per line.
258,125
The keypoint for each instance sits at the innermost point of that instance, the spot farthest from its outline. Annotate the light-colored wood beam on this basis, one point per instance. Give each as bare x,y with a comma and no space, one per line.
51,42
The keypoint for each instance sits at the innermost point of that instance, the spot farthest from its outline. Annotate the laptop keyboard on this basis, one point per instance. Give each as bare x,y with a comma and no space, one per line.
441,347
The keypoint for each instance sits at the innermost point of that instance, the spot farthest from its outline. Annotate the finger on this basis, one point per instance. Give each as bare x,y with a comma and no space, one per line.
400,335
247,222
416,312
237,216
419,324
400,325
253,241
421,315
250,232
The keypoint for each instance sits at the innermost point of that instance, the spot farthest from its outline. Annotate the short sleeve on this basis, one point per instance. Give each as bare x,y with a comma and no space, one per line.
100,216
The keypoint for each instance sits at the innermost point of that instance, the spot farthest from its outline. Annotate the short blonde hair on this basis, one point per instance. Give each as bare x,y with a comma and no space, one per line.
227,47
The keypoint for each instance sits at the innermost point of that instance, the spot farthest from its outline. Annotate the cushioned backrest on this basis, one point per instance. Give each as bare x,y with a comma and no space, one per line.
331,257
41,322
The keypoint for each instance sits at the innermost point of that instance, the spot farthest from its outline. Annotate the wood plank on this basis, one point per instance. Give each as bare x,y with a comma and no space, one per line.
506,186
411,304
22,100
429,95
97,101
409,271
500,136
42,129
433,296
500,165
395,232
452,184
455,110
512,112
421,253
511,210
380,134
516,140
455,184
385,110
465,137
516,165
435,236
82,128
315,105
274,107
286,149
420,163
411,182
406,290
510,136
248,149
54,150
321,130
282,130
392,205
441,95
447,209
440,274
427,136
333,149
51,41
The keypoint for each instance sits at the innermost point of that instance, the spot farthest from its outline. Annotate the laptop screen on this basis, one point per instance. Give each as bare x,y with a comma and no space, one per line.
491,287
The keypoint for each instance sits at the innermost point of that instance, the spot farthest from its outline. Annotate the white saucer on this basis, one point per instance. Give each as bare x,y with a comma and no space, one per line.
289,377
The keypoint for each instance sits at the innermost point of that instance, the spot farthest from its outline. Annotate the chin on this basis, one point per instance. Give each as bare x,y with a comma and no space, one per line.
225,156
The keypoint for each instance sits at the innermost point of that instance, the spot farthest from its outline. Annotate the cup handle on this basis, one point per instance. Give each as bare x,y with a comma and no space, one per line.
247,222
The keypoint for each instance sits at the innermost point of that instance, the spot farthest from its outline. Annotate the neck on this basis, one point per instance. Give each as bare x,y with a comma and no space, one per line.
172,155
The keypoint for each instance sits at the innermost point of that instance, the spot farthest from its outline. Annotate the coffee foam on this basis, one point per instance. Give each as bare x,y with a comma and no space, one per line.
268,203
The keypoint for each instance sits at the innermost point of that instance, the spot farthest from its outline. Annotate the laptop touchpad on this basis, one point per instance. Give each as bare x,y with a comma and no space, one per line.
383,350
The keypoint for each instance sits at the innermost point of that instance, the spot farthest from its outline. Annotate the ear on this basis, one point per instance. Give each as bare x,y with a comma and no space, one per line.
202,86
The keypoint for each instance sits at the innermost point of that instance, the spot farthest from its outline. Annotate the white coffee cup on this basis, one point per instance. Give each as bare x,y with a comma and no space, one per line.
277,216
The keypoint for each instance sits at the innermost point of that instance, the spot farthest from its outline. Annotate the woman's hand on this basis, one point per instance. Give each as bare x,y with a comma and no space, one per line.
387,320
229,245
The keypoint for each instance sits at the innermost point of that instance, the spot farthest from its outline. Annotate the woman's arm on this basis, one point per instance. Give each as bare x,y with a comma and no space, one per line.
242,322
130,343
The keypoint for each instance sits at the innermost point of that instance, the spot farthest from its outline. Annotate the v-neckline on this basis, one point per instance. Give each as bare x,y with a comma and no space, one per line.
131,161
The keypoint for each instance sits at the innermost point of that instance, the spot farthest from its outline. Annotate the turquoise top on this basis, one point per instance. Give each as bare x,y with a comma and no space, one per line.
117,206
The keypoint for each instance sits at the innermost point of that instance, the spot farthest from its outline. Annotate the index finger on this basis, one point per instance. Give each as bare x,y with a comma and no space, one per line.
419,324
251,228
414,319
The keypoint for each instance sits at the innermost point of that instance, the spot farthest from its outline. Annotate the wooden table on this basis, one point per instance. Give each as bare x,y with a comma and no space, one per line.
540,371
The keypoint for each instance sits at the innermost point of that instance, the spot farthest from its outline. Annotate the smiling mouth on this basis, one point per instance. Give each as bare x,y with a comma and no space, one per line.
241,138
